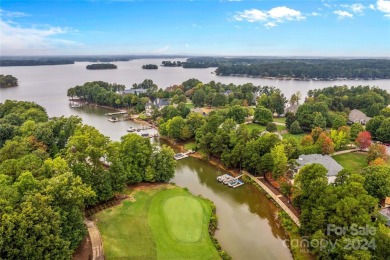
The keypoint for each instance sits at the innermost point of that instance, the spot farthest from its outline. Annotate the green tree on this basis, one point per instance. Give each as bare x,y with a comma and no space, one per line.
263,116
377,181
135,153
163,163
237,113
383,132
279,161
356,128
198,98
295,128
271,127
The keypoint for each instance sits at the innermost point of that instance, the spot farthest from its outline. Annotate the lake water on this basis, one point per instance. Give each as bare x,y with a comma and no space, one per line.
248,227
49,84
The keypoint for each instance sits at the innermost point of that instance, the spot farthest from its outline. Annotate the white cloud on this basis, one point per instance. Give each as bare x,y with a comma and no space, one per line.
270,18
384,6
315,14
17,40
12,14
162,49
343,14
253,15
269,25
285,13
372,7
357,8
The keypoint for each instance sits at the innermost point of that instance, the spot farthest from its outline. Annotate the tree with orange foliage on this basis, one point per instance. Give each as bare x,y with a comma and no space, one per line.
325,143
377,151
363,140
378,162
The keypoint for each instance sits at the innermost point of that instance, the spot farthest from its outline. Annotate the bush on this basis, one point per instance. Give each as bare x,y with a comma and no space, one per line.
271,127
295,128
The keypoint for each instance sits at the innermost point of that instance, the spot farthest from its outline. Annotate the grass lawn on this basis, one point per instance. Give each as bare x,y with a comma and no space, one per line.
262,128
280,119
190,146
253,126
164,222
190,105
351,161
299,137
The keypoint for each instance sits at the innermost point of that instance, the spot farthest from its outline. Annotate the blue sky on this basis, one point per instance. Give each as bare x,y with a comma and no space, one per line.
199,27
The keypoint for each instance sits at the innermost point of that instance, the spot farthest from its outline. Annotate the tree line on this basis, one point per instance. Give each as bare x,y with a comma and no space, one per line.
8,81
50,170
321,69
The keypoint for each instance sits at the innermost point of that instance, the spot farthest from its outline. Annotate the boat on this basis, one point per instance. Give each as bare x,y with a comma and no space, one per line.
233,183
145,135
238,184
113,119
130,129
179,156
221,178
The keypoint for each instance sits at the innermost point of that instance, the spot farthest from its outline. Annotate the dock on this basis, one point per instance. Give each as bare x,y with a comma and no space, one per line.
116,113
230,181
180,156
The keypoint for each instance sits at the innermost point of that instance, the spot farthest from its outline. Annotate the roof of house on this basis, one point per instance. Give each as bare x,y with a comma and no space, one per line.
134,91
387,201
292,109
358,116
325,160
386,213
161,102
228,92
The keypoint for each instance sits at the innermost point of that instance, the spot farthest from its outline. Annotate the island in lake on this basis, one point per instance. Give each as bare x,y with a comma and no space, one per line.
150,67
101,66
8,81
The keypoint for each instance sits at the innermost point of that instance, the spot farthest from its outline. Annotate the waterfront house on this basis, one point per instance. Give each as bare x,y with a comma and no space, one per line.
357,116
325,160
293,109
135,91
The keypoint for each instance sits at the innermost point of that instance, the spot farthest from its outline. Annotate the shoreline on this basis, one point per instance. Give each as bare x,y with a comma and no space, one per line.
296,79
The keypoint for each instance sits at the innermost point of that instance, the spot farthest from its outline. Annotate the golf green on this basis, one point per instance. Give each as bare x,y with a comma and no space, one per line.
164,222
184,218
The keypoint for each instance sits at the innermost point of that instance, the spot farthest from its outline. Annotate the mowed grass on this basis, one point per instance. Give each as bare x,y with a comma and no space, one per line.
190,146
280,119
262,128
353,161
163,223
299,137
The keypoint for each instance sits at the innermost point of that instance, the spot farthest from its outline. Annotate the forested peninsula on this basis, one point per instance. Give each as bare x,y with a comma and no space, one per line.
299,69
101,66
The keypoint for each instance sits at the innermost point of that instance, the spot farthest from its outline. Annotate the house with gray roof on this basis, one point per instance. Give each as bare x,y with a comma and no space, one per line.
325,160
357,116
135,91
293,109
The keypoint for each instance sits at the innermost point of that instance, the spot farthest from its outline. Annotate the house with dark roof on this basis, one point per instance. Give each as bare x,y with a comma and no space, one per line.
228,92
357,116
158,103
325,160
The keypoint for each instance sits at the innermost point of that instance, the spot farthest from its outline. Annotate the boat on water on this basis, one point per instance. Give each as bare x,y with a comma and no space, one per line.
130,129
113,119
145,135
179,156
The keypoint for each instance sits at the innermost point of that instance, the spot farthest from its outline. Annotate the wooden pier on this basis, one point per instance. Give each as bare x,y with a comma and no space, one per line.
116,113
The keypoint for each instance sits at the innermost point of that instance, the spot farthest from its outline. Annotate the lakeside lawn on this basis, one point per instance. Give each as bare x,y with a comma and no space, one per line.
163,222
190,146
353,161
